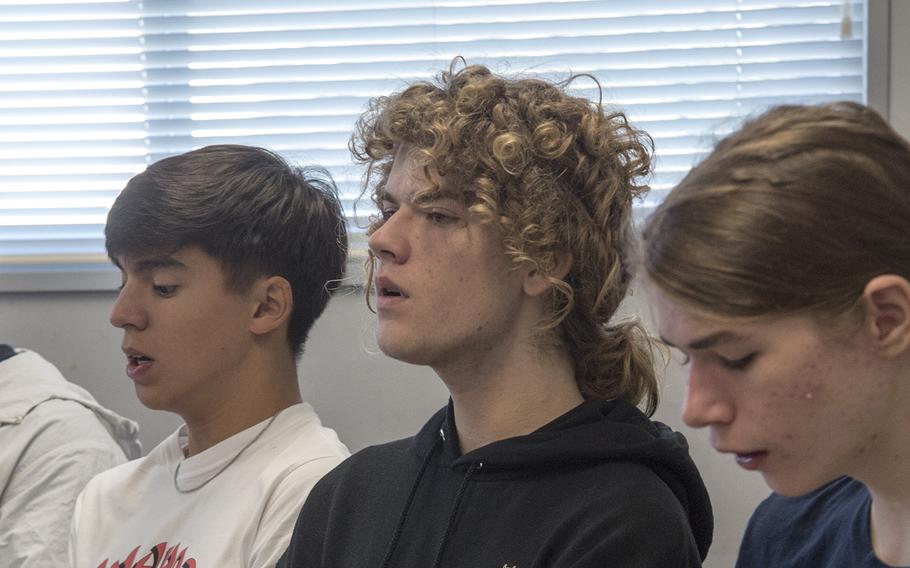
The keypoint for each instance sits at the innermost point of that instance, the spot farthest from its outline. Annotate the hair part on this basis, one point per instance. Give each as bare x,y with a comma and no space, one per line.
249,209
557,174
793,213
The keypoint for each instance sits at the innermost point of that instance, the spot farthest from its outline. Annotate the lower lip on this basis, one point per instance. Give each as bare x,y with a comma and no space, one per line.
136,370
385,302
752,461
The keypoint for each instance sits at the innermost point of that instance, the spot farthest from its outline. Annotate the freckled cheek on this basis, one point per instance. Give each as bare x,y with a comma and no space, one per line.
810,383
795,403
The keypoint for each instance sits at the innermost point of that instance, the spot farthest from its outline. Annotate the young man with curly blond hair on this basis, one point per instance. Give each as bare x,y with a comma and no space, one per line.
498,260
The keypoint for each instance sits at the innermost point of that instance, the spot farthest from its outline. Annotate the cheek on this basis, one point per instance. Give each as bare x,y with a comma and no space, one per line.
794,398
809,378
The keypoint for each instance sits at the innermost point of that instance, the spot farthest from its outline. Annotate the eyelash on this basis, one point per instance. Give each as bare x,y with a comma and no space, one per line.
438,218
165,290
739,364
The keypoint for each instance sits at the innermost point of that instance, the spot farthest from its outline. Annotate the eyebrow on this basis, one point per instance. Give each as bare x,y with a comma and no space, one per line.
153,263
435,195
422,197
709,341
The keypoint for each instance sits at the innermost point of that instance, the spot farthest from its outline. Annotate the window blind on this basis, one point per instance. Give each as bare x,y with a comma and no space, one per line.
92,92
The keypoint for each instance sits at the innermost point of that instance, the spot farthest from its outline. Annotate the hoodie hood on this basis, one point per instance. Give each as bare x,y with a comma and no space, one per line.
28,380
594,432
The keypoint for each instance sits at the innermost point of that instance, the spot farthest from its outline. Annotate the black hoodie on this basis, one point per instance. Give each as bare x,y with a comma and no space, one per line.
600,486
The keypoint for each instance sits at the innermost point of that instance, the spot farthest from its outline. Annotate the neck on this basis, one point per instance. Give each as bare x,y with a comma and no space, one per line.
890,512
511,396
890,527
886,471
258,391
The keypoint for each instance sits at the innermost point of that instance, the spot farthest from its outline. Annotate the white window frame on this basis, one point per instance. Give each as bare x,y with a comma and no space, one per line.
877,82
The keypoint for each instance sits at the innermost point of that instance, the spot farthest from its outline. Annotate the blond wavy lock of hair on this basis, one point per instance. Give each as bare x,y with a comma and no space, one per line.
558,174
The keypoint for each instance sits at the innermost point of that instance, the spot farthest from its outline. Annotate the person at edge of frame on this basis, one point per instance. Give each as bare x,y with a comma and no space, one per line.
780,266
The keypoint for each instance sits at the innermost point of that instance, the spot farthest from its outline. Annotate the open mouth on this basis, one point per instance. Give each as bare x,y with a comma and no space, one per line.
751,460
391,293
137,364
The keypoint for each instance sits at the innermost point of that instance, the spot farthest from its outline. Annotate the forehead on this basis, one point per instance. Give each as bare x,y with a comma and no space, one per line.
406,176
677,321
685,326
410,181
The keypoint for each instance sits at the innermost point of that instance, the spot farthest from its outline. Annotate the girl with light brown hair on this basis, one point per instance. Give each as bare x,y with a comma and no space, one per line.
781,269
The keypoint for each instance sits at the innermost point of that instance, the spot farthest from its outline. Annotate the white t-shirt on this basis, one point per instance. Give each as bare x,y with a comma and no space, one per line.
243,517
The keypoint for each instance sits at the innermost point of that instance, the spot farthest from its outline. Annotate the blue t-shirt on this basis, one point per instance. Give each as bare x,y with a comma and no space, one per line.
828,528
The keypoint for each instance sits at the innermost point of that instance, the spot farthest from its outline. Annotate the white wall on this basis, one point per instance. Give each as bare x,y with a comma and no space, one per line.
366,397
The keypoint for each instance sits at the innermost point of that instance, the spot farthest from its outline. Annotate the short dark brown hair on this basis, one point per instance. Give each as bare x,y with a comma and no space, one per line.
247,208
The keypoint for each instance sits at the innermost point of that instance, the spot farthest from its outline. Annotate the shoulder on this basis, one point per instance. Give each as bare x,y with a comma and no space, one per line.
130,479
796,529
67,422
624,514
64,435
636,493
121,479
297,450
299,434
372,471
374,463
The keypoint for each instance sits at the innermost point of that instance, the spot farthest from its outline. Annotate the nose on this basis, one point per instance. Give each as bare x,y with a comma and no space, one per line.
127,310
707,403
389,242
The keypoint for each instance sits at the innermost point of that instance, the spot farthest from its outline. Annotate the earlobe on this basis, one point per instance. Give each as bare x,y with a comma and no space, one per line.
537,282
274,302
887,302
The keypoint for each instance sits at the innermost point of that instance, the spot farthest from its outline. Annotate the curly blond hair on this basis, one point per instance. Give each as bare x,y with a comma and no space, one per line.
558,174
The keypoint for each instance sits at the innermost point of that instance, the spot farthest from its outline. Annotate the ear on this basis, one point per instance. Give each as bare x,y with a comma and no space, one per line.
887,302
536,282
273,302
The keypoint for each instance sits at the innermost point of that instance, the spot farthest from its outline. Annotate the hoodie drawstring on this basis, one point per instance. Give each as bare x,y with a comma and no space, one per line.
451,524
407,504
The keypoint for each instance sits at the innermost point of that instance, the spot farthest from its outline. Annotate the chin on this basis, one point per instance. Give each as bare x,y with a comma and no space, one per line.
152,400
403,350
404,355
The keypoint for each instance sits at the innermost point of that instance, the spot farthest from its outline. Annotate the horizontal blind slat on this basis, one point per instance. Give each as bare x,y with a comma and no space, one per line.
91,92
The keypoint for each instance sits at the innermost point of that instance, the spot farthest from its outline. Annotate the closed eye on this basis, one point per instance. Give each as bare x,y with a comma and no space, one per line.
740,364
439,218
165,290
